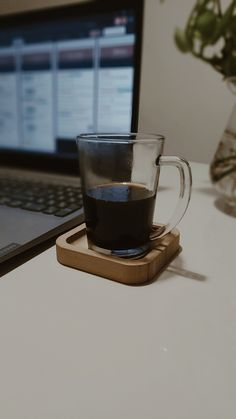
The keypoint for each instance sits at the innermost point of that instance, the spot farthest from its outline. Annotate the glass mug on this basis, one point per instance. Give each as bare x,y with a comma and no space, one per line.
119,175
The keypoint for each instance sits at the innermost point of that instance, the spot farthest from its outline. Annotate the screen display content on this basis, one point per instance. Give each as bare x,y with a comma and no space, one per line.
64,77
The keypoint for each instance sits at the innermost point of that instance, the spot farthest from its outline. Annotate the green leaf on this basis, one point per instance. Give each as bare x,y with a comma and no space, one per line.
181,40
224,22
206,24
232,26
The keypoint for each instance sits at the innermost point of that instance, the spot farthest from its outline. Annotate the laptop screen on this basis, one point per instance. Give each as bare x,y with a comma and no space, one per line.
66,71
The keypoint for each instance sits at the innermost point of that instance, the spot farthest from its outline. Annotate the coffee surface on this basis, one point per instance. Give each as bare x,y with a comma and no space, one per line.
119,215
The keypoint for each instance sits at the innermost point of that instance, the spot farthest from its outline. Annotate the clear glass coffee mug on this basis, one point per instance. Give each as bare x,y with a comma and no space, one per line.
120,174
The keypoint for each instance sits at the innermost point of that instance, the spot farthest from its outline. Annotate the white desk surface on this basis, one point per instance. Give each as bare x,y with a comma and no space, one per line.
76,346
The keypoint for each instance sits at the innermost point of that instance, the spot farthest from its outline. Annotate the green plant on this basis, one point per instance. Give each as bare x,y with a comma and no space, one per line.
210,35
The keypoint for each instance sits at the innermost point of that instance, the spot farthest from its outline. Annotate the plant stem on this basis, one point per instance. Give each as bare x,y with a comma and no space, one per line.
218,5
206,60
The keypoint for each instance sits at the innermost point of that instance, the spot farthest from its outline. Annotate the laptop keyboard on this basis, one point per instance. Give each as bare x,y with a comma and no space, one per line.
48,198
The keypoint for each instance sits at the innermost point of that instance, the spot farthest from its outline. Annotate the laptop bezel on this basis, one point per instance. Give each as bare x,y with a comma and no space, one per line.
58,164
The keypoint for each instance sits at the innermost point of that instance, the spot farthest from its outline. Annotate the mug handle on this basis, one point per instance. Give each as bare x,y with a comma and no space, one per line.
184,194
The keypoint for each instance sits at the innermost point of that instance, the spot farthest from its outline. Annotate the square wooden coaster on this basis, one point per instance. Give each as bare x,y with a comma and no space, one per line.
72,250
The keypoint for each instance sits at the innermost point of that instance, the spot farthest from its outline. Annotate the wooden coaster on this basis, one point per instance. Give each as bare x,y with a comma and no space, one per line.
72,250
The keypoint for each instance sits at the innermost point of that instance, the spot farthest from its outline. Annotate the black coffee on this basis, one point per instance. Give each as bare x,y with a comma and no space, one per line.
119,216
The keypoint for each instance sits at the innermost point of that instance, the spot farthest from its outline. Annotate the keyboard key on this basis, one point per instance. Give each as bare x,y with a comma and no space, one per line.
15,203
50,210
41,201
31,206
51,202
62,204
66,211
4,200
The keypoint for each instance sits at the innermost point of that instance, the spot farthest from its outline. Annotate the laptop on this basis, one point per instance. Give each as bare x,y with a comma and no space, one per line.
63,71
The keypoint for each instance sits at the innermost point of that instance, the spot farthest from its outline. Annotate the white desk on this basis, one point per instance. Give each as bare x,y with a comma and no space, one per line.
76,346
